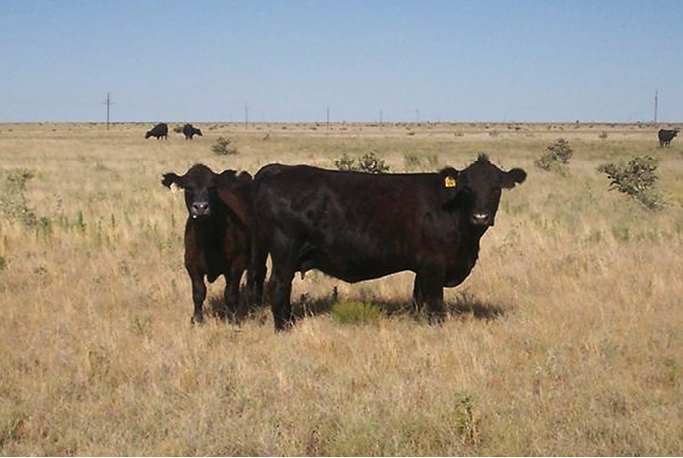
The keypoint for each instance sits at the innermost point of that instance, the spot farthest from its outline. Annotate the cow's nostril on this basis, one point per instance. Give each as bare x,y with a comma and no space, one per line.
200,208
480,218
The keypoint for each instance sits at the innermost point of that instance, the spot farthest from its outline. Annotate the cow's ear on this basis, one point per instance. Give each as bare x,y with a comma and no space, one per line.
245,177
448,184
513,177
172,179
225,176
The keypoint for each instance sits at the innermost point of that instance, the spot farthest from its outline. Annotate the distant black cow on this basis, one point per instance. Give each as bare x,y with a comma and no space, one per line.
190,131
357,226
158,131
666,135
216,232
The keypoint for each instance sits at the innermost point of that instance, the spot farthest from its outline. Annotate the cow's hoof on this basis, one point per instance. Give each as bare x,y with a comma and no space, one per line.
435,319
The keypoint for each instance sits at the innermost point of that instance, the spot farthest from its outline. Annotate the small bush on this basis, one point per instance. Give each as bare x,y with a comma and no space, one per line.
637,179
13,201
555,156
223,147
368,163
345,163
356,313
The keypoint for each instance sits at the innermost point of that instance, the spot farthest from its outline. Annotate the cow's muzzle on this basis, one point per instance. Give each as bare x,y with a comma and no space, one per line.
481,219
198,209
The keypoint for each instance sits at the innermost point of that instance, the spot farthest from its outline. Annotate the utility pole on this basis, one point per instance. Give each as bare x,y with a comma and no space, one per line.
108,102
417,115
380,116
328,116
656,94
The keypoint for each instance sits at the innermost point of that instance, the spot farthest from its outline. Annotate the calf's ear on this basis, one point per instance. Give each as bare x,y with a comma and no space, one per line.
170,179
513,177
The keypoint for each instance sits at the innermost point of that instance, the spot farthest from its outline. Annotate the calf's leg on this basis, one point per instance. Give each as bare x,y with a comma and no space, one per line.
198,296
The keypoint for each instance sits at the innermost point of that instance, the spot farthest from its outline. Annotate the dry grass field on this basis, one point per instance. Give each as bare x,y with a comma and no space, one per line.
566,339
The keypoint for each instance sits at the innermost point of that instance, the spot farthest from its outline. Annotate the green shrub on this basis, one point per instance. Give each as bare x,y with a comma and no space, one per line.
223,147
369,163
555,156
637,179
356,313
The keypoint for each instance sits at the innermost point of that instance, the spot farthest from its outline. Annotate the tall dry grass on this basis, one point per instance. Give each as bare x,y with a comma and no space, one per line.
567,338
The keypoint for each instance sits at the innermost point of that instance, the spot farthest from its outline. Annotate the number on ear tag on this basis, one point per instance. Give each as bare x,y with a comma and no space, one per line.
449,182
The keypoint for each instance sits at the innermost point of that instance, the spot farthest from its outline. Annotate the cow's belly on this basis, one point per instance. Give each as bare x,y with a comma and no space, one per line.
353,269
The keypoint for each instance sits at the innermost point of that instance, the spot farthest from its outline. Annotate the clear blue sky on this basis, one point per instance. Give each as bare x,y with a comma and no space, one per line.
478,60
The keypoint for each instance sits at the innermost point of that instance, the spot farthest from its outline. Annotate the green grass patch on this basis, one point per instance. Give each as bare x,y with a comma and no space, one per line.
356,313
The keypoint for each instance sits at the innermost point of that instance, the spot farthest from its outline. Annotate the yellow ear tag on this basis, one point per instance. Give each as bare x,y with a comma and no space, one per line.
449,182
174,188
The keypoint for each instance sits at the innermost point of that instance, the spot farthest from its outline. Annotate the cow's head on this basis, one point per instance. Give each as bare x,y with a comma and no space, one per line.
208,193
200,186
148,134
476,190
198,132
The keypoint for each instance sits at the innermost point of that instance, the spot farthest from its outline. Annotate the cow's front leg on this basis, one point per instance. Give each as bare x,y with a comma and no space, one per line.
280,286
256,274
231,294
198,296
418,296
428,290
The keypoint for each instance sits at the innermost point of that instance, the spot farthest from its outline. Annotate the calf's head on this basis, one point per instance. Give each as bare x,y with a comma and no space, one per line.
200,186
476,190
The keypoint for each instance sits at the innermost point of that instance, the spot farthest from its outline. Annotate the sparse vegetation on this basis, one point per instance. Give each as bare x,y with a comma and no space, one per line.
13,202
566,339
368,163
637,179
556,156
224,147
414,162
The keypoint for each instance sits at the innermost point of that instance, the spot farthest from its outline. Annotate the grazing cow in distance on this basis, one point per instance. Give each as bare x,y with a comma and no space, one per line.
159,131
357,226
217,232
189,131
666,135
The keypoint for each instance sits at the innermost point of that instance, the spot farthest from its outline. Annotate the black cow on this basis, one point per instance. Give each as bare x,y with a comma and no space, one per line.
216,232
356,226
190,131
158,131
666,135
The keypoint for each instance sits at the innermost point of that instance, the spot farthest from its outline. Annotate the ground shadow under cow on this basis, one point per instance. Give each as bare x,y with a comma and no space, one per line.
465,305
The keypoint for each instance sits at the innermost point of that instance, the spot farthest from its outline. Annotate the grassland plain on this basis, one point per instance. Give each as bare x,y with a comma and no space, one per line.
566,339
